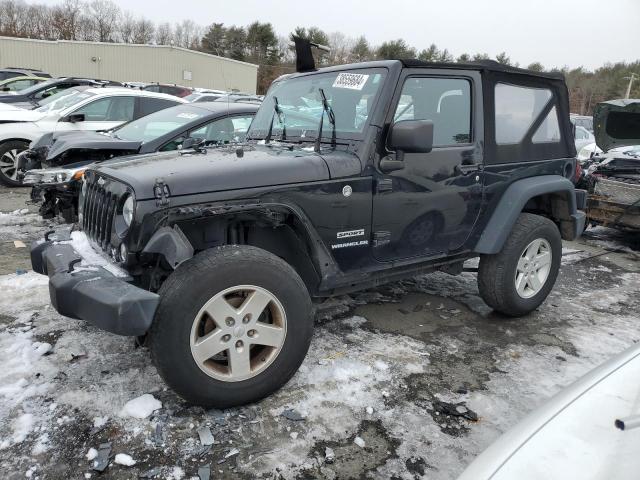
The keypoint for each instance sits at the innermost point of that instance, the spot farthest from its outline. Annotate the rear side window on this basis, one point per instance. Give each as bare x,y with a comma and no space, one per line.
444,101
151,105
517,108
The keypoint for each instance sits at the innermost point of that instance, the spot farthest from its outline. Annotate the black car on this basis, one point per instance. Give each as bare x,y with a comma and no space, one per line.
163,131
351,176
29,97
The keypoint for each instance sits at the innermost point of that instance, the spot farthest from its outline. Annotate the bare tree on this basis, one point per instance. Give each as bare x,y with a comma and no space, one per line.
12,17
143,31
65,19
187,34
164,34
341,47
127,27
105,16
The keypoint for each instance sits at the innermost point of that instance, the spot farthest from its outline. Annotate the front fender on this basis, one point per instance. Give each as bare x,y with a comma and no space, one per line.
512,203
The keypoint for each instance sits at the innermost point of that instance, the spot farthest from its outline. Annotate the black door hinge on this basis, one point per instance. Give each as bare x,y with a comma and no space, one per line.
384,185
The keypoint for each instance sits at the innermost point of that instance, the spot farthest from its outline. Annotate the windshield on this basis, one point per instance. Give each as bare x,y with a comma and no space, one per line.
64,99
350,94
159,123
37,87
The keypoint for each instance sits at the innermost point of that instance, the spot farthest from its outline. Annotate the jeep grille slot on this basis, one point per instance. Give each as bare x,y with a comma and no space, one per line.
99,209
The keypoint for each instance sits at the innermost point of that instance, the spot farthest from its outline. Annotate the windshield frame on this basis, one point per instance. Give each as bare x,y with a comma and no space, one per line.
341,136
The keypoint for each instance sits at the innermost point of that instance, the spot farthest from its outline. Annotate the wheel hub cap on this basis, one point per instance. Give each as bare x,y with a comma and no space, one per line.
533,268
238,333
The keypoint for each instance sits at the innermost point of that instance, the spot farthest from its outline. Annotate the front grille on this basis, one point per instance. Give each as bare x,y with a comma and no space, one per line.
99,207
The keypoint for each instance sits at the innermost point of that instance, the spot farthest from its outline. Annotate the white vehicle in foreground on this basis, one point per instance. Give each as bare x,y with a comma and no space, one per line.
77,108
589,431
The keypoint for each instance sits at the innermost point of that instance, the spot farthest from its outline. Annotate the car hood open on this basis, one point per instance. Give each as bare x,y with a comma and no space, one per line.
616,123
218,169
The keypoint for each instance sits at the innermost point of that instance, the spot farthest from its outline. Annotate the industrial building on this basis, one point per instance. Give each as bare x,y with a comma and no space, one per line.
126,63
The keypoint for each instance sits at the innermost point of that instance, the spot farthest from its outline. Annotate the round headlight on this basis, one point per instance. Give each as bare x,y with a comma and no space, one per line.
127,210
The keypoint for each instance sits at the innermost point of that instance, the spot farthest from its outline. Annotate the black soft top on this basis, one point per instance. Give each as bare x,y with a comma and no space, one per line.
486,65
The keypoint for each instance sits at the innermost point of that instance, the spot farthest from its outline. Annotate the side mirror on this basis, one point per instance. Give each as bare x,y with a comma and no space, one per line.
189,142
411,136
6,89
74,118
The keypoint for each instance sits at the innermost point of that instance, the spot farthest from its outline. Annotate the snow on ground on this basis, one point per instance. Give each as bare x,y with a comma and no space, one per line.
373,397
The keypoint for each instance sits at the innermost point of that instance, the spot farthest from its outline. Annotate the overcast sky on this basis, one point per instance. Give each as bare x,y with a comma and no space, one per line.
554,32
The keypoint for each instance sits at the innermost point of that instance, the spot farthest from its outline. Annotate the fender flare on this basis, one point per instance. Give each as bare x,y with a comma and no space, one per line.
513,201
170,243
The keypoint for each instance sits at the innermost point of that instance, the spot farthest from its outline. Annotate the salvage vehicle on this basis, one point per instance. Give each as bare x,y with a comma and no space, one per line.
612,178
212,258
77,108
590,430
16,84
32,97
61,158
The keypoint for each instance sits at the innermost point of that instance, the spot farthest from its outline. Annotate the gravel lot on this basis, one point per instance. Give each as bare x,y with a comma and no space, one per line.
410,380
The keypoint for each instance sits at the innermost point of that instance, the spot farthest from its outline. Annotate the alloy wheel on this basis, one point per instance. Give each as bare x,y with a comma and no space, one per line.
533,268
238,333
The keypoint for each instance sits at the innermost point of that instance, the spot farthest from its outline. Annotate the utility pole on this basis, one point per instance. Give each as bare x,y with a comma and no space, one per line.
631,79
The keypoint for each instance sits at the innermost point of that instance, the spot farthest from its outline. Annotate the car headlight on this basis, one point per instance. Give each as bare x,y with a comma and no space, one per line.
127,210
53,176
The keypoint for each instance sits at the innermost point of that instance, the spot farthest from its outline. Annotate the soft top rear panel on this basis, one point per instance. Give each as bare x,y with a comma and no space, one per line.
526,150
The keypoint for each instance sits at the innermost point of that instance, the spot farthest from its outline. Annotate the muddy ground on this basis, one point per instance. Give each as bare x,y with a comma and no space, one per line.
410,380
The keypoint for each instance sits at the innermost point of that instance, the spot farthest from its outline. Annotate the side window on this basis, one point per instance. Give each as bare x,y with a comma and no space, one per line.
150,105
21,84
112,109
224,130
549,129
173,144
517,108
444,101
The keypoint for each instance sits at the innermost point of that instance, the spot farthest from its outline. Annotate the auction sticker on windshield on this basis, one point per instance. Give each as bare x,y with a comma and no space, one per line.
353,81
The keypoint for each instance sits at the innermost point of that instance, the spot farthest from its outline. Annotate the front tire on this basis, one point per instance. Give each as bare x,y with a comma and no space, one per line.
518,279
233,325
9,161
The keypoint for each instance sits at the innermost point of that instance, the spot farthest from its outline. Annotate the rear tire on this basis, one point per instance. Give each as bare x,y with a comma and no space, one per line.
214,312
8,161
518,279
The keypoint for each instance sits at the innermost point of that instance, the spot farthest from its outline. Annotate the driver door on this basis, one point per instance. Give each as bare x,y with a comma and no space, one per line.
429,207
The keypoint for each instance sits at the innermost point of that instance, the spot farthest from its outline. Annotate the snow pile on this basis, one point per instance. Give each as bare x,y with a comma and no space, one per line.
90,256
124,459
21,426
19,217
141,407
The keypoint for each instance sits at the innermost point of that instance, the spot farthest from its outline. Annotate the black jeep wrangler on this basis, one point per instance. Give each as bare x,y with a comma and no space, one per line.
351,176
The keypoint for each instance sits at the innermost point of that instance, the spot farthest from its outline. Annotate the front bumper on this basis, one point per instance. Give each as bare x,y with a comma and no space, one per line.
92,293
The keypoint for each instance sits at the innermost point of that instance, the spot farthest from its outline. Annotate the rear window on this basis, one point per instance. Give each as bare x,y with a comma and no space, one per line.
517,108
623,125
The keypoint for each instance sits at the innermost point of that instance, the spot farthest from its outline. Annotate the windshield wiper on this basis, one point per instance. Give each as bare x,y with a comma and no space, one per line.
276,111
326,108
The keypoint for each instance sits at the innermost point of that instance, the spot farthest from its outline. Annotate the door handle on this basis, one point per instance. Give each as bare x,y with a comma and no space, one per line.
467,168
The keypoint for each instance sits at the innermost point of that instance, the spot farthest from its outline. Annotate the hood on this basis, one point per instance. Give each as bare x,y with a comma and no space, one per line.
57,147
218,169
20,115
616,123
